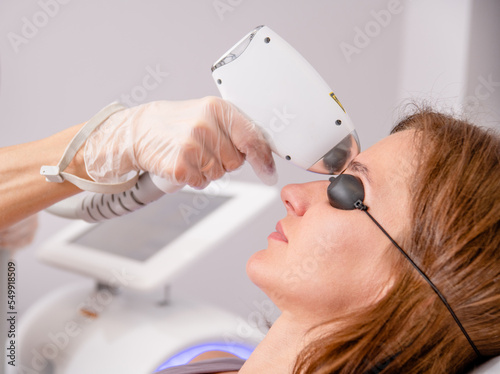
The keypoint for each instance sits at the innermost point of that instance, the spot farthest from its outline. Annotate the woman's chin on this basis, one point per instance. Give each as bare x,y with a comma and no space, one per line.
257,268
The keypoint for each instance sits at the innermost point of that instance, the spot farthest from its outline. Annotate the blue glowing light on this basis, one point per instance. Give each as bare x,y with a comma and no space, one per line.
183,357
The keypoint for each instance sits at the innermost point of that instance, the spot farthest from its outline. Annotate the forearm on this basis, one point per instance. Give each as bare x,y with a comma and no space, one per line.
23,191
188,142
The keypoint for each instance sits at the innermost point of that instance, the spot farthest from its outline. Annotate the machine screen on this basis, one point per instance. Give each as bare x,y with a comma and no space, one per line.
140,235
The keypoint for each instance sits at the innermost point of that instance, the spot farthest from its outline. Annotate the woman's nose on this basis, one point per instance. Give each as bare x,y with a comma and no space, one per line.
297,198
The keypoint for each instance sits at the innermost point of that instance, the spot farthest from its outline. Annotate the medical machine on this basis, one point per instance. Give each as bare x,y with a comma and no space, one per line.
128,323
279,90
159,241
125,324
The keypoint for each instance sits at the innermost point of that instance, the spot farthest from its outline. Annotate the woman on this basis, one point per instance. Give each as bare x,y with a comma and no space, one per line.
352,301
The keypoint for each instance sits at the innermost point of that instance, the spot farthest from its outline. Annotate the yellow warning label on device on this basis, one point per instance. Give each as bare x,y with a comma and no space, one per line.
337,100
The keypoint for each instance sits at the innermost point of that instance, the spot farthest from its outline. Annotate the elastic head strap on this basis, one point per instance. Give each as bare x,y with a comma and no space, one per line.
359,205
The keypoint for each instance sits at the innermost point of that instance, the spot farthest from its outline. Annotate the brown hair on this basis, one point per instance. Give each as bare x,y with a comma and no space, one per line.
454,237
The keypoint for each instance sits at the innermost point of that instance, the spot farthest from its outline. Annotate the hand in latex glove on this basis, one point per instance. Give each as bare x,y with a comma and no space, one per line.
185,142
20,234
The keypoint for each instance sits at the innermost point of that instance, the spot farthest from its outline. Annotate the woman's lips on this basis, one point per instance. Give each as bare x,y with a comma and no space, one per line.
278,234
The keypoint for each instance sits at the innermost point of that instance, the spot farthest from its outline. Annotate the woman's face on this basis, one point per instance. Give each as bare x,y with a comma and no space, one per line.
323,261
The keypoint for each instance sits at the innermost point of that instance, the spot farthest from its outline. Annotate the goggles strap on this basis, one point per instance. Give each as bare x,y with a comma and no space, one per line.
359,205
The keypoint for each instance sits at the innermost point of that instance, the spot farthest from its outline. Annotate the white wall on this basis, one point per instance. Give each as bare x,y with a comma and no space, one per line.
482,98
434,52
374,54
92,52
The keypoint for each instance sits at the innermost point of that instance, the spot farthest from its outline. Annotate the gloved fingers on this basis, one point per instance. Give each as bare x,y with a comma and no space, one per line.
212,170
214,155
219,154
248,138
207,154
188,142
267,173
182,168
188,149
191,166
252,142
230,157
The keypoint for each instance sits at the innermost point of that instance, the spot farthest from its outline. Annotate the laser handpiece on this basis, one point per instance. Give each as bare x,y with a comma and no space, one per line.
282,93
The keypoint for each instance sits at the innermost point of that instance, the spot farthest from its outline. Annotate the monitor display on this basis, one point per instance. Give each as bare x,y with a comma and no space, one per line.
155,243
141,235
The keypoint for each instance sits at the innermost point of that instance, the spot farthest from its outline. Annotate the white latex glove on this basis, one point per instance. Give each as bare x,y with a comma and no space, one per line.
185,142
19,235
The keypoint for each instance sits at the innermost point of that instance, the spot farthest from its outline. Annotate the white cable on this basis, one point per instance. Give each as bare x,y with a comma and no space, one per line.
96,207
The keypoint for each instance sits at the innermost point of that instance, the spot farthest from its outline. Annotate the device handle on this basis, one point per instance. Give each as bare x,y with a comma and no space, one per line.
96,207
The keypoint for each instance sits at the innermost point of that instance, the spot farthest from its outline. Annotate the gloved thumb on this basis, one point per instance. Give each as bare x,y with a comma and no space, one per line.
249,139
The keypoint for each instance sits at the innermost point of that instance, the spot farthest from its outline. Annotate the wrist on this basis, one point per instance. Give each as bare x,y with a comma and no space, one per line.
60,142
109,154
77,166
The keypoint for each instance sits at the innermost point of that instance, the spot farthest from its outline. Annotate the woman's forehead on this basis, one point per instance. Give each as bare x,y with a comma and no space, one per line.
395,146
391,157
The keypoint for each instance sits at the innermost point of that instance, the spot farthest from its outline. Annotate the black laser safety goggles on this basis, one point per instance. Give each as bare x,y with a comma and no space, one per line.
346,192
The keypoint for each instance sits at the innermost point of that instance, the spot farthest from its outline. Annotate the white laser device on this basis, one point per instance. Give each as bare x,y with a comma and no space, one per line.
158,242
280,91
